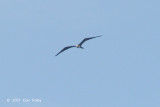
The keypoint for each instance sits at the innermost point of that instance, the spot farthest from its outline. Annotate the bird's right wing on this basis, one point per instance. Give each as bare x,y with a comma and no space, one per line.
65,49
88,39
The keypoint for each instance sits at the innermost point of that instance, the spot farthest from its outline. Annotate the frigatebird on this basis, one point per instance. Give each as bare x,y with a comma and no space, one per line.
79,45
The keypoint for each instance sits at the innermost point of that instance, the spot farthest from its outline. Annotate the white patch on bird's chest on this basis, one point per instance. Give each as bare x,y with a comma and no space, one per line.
77,46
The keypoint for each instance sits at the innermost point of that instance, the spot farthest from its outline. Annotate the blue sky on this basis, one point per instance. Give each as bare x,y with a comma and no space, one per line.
120,69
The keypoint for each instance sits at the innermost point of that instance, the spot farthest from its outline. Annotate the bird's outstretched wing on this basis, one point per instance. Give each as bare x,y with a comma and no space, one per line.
65,49
88,39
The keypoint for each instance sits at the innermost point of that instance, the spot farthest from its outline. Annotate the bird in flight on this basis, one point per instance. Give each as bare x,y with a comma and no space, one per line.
77,46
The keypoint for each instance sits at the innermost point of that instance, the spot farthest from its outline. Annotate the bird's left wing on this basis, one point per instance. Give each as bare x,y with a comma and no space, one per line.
88,39
65,49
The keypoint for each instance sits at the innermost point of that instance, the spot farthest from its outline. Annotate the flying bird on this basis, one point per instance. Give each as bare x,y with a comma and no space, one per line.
79,45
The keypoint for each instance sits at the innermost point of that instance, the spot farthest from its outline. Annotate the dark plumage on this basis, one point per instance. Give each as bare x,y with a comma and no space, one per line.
79,45
88,39
65,49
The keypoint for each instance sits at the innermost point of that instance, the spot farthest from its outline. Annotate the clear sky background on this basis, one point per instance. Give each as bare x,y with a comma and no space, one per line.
120,69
